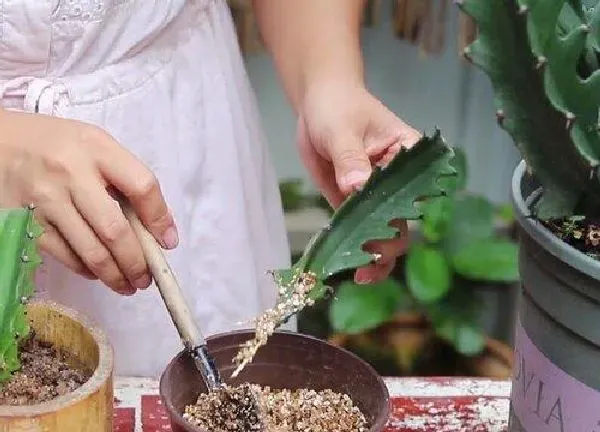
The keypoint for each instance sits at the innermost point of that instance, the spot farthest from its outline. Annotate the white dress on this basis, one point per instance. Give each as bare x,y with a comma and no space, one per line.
166,79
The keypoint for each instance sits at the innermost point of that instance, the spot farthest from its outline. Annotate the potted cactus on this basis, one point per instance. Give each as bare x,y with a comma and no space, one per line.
55,367
542,59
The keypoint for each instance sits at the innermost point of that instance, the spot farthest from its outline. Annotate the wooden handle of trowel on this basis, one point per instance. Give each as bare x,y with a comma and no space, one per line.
166,281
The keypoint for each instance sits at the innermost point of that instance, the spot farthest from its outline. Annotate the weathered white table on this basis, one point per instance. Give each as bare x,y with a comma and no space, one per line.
418,405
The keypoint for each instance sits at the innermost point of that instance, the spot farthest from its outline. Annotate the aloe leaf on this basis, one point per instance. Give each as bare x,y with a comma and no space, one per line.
18,262
526,108
389,194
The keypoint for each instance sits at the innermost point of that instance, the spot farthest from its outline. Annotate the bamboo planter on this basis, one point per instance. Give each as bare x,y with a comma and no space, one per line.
90,407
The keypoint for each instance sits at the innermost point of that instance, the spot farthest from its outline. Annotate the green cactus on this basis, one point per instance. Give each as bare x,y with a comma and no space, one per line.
18,262
391,193
542,59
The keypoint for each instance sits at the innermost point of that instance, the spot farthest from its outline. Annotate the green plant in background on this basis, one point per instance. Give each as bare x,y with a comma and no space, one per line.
542,59
18,262
458,241
293,197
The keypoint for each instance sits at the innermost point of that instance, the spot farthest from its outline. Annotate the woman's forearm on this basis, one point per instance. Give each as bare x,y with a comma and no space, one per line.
313,42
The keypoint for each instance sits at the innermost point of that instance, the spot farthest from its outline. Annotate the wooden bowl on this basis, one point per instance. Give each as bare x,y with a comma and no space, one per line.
90,407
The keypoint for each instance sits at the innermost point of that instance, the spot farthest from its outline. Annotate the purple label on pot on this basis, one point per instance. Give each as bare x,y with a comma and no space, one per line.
546,399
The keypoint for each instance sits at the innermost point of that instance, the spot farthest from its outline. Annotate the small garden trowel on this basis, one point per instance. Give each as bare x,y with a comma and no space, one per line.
172,295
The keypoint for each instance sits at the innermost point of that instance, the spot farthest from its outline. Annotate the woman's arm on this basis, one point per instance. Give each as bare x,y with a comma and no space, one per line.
313,42
342,128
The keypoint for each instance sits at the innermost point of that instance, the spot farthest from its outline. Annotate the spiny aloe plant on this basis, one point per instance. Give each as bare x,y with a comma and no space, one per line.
542,59
18,262
392,193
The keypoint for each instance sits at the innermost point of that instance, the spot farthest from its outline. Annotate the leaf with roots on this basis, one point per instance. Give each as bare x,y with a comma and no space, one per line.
390,194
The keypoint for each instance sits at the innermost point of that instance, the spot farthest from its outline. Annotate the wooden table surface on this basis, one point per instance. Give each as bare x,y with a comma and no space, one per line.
418,405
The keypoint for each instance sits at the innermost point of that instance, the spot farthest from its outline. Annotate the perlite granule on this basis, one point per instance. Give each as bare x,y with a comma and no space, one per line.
301,410
294,296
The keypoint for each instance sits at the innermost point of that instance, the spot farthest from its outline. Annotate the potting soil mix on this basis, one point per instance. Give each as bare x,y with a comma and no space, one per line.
304,410
293,297
44,375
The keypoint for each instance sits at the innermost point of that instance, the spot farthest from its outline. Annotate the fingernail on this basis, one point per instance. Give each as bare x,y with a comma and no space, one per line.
355,179
142,282
126,289
170,238
362,279
129,292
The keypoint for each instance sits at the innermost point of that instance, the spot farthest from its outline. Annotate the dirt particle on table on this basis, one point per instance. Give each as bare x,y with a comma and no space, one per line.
44,375
301,410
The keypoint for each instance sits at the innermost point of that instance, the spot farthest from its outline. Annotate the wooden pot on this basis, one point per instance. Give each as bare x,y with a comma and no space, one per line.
90,407
408,333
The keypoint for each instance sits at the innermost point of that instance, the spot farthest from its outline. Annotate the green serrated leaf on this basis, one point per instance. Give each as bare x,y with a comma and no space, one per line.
359,308
428,275
389,194
494,260
457,182
525,111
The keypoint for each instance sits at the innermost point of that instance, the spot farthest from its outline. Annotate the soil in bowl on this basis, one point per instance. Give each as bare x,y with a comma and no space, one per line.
301,410
580,232
45,374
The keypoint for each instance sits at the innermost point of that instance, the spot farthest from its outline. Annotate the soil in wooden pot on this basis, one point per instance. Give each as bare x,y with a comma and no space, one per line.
65,380
45,374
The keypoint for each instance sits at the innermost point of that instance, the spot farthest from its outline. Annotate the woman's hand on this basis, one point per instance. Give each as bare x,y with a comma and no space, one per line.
343,131
66,169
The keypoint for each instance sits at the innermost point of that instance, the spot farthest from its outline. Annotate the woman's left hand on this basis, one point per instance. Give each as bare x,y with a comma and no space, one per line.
343,131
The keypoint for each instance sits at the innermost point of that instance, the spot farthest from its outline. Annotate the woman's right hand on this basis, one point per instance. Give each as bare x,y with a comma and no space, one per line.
66,169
